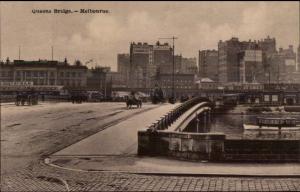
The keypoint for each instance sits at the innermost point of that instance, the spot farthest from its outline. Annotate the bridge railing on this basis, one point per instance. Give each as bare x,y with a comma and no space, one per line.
173,115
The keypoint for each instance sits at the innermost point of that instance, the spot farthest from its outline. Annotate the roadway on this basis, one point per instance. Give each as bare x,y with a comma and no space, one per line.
30,132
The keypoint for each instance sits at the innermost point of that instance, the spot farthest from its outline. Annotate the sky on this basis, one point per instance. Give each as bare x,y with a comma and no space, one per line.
101,36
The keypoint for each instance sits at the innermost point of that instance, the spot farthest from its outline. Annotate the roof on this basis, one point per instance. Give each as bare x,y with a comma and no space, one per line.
206,80
42,63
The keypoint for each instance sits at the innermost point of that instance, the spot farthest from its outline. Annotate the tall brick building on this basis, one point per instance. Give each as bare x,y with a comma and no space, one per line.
230,54
208,64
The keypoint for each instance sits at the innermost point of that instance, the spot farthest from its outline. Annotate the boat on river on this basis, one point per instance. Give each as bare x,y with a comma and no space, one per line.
274,124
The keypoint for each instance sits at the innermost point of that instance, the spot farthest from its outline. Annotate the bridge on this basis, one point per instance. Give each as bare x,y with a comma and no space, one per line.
160,131
177,119
167,137
121,138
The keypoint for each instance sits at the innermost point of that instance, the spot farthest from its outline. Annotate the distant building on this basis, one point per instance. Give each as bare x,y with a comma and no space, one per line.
251,66
282,65
97,79
207,84
141,65
43,72
208,64
229,64
189,66
124,67
163,58
298,59
116,79
182,83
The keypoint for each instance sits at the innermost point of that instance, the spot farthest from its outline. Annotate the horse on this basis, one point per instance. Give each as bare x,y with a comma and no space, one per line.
131,102
23,98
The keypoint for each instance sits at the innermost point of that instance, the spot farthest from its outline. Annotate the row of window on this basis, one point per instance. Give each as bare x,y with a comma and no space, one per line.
70,74
52,82
6,74
42,74
178,87
181,81
34,73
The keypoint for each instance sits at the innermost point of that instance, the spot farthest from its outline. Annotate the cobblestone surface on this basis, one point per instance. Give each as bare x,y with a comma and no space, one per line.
45,178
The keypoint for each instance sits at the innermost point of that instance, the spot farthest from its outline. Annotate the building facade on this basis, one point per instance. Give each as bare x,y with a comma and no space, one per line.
208,63
43,72
282,66
97,79
141,64
189,66
251,66
124,67
229,56
183,84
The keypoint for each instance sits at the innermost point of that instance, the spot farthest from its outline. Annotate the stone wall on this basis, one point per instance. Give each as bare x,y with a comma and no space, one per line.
215,147
194,146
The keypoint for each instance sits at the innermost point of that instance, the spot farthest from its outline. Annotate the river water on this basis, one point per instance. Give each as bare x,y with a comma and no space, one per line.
231,123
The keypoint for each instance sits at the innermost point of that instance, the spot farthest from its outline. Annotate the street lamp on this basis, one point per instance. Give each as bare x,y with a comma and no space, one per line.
173,69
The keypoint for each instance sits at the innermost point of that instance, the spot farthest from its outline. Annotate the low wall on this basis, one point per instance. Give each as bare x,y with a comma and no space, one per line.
215,147
262,150
194,146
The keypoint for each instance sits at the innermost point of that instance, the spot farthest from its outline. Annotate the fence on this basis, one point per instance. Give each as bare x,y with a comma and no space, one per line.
173,115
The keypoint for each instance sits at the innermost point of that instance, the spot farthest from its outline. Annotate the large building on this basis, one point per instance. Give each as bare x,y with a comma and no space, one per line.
251,66
43,72
183,83
124,67
189,66
298,59
282,66
97,78
208,64
162,58
141,64
229,60
146,60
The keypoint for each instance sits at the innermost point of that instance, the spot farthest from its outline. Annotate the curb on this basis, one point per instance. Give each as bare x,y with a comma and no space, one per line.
47,162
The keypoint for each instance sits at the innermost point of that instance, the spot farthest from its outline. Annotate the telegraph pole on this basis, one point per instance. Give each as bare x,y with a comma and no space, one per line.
19,52
173,68
51,53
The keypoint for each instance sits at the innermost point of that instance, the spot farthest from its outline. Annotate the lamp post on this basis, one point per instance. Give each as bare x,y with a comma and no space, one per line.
173,68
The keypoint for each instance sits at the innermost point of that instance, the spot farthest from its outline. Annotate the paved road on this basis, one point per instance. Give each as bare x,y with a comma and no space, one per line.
44,178
119,139
30,132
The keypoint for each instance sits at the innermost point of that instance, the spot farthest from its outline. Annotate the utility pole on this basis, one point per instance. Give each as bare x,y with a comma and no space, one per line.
130,65
173,71
19,52
51,53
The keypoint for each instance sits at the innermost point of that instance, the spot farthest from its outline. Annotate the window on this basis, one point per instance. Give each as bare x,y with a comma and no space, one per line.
267,98
68,74
73,74
51,74
61,74
275,98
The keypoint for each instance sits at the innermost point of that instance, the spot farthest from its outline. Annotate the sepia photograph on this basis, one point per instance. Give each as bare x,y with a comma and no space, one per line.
149,96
